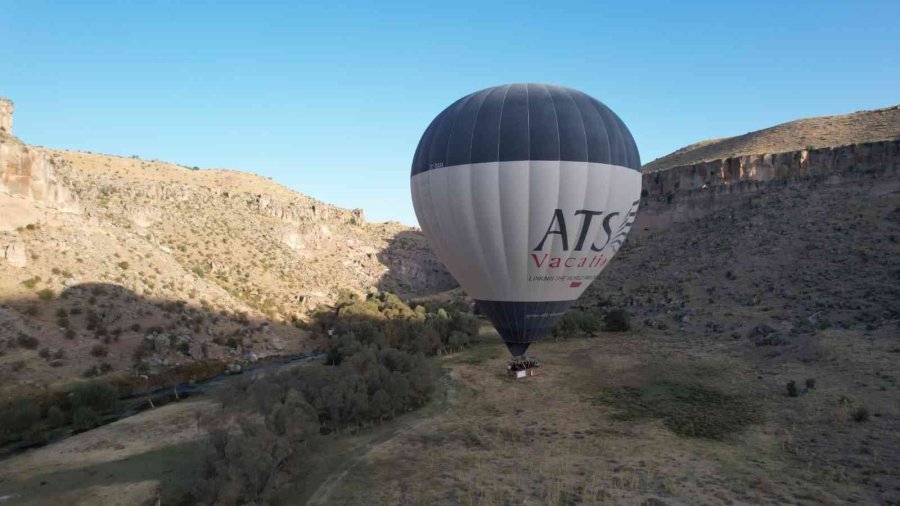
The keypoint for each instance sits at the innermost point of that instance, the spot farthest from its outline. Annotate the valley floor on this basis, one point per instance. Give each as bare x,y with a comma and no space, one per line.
607,421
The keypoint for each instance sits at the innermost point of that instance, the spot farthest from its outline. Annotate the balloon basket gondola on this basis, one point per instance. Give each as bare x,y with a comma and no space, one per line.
521,368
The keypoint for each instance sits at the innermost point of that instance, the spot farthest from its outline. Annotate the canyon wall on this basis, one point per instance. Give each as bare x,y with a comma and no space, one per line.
27,174
689,192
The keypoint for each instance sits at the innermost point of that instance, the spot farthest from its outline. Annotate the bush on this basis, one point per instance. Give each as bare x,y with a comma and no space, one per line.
98,396
617,320
19,417
99,350
46,294
792,389
123,265
860,414
85,418
55,416
567,326
26,341
30,283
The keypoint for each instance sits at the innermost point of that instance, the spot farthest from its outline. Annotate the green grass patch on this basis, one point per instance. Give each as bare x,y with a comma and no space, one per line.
478,353
686,409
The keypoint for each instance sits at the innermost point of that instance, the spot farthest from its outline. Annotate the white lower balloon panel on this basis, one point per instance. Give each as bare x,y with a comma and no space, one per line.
526,231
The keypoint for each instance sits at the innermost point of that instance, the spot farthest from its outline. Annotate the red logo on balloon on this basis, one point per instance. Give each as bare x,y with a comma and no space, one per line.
575,284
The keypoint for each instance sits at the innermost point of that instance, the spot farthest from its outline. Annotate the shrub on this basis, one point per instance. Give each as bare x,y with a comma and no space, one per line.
123,265
616,320
99,350
46,294
55,416
860,414
96,395
26,341
19,417
31,282
85,418
567,326
792,389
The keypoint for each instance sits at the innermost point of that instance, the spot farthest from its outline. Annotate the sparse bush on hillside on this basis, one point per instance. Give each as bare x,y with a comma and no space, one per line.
30,283
617,320
46,294
792,389
26,341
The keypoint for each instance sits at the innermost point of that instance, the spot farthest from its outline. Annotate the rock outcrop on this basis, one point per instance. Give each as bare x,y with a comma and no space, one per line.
870,157
6,115
15,254
25,172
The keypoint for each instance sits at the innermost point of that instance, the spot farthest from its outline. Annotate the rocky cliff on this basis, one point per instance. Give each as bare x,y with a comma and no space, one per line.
27,177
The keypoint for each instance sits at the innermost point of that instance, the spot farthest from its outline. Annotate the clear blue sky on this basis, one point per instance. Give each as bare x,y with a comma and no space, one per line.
331,99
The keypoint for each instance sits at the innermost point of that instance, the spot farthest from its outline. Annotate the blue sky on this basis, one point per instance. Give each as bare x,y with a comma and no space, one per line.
331,99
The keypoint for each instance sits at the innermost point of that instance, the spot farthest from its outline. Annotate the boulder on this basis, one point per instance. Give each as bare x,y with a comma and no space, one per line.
15,254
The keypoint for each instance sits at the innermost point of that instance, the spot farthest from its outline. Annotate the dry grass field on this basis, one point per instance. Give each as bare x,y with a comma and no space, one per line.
621,418
570,436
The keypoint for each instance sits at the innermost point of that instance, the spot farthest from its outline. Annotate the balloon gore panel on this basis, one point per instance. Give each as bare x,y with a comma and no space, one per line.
522,323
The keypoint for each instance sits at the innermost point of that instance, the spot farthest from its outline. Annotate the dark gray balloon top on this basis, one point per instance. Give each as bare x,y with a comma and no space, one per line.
526,122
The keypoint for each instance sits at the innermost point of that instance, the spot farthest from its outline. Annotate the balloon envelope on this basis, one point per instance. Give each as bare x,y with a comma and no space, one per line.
525,192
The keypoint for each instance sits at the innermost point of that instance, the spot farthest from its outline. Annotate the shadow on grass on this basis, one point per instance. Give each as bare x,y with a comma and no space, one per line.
173,466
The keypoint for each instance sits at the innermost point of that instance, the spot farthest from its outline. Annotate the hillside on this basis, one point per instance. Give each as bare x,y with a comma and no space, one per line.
809,133
110,263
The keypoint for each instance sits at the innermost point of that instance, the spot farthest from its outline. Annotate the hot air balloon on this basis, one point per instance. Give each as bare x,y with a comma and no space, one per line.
525,192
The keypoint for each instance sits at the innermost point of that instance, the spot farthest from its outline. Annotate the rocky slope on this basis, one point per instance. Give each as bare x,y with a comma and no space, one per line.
110,263
799,241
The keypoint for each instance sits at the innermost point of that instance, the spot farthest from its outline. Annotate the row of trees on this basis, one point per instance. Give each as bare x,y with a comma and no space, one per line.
34,420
